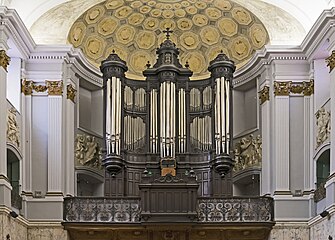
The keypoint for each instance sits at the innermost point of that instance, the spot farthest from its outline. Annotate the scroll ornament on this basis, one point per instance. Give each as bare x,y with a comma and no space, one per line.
323,126
13,133
248,153
88,151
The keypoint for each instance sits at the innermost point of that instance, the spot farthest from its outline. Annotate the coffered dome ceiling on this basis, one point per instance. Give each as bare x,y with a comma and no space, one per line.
201,29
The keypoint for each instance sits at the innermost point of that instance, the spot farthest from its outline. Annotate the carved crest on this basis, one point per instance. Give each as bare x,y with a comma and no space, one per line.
323,126
248,152
88,151
13,133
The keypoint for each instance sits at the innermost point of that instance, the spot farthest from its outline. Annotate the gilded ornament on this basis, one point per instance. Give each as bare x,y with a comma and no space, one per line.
297,88
145,9
27,87
258,35
13,133
191,10
213,52
156,12
308,88
145,39
152,3
264,95
136,19
195,60
123,12
200,20
125,34
4,59
119,50
241,16
107,26
213,13
248,153
139,59
227,26
136,4
189,40
282,88
39,88
114,4
323,126
151,23
54,87
185,3
94,46
180,13
168,14
222,5
177,6
70,92
93,15
77,34
168,23
88,151
184,24
201,5
331,61
209,35
240,48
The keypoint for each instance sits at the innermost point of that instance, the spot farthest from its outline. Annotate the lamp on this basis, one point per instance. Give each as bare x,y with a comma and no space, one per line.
13,214
325,213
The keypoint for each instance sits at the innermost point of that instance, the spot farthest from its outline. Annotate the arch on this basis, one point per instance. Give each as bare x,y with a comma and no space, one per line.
89,183
13,174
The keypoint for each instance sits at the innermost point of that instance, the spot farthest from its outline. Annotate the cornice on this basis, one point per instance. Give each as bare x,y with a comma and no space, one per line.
319,33
264,57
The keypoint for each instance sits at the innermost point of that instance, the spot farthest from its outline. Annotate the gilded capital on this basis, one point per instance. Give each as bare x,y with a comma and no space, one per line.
297,88
4,59
308,88
39,88
331,61
54,87
27,87
264,94
71,92
282,88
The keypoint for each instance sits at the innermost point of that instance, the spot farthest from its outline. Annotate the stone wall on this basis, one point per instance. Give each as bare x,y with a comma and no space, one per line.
323,228
12,228
46,233
288,231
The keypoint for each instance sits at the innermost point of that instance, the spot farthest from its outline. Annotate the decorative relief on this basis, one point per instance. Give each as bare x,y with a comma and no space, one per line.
70,92
282,88
39,88
27,87
248,153
88,151
296,88
308,88
139,59
195,60
54,87
4,59
214,22
227,26
323,126
13,133
264,94
331,61
209,35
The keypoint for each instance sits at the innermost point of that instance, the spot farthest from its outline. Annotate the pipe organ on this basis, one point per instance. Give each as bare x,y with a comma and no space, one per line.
167,120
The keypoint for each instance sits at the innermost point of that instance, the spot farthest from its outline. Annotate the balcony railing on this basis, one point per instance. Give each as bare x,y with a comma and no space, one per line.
107,210
258,209
127,210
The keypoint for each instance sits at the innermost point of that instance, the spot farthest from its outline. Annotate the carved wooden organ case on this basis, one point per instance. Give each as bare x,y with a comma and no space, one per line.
167,124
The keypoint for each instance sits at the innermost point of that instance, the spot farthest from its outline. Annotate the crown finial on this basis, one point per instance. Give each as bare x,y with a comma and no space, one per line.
167,32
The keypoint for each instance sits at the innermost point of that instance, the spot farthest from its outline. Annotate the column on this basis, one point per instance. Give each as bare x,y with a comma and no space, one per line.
281,137
55,147
5,187
264,97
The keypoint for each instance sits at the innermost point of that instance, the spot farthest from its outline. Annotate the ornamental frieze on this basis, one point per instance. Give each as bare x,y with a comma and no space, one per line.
282,88
248,153
13,133
54,87
88,151
4,59
289,87
27,87
323,126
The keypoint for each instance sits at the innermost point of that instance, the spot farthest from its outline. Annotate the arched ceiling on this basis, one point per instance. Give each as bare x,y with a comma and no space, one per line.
285,21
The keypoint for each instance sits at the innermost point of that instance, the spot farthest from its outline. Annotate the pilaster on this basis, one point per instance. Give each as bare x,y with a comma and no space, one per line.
281,137
55,146
264,97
